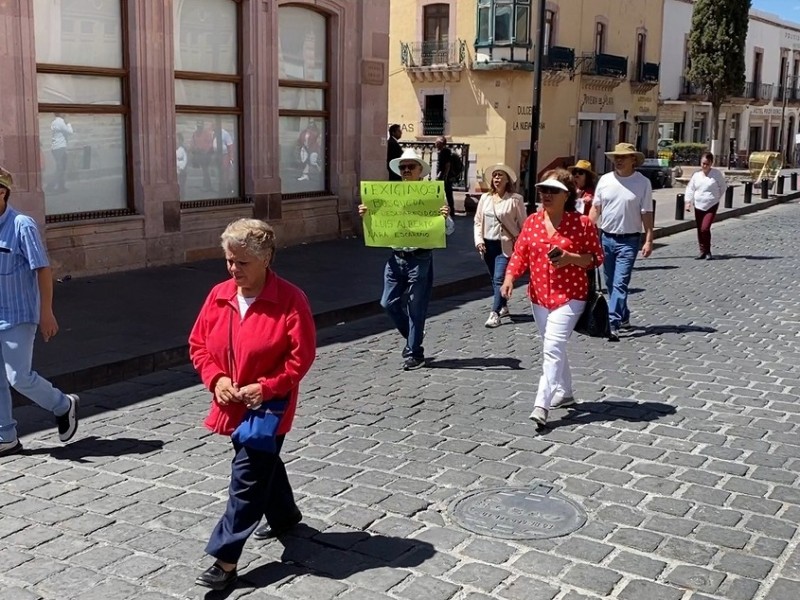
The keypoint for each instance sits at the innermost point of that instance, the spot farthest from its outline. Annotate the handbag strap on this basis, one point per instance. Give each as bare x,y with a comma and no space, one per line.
231,354
598,278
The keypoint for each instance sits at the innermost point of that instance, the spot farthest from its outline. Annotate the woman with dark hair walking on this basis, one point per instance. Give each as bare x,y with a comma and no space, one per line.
704,191
585,181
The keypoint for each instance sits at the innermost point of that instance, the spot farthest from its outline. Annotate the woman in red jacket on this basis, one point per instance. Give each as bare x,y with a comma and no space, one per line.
252,343
557,245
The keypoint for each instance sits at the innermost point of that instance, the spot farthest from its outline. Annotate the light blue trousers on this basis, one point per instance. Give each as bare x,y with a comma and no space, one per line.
16,348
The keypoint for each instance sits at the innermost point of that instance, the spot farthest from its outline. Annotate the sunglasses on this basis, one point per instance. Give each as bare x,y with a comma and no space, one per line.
579,172
408,166
550,191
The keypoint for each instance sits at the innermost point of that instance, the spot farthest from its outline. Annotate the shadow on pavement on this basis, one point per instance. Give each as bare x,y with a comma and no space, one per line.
744,257
477,364
656,268
94,446
335,555
664,329
612,410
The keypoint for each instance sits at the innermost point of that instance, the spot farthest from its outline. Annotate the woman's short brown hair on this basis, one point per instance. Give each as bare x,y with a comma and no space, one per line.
564,177
255,235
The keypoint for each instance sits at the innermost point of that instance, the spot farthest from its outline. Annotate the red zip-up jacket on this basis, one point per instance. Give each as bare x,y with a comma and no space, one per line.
274,345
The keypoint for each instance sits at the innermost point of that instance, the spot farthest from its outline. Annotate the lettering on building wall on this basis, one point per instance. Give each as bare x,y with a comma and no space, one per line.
524,110
792,39
597,102
372,72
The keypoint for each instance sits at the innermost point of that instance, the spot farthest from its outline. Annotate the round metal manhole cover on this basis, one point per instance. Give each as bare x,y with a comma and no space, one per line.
518,513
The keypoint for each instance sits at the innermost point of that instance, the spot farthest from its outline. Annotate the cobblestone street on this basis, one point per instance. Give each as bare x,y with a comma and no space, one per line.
684,451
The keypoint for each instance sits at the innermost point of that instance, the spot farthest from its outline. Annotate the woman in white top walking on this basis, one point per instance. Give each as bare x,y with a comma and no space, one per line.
498,222
704,191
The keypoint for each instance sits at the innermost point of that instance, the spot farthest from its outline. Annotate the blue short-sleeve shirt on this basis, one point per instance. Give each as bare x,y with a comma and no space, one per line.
21,254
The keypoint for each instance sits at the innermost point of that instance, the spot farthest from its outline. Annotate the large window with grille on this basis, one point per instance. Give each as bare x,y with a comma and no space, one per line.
82,94
208,101
303,115
504,22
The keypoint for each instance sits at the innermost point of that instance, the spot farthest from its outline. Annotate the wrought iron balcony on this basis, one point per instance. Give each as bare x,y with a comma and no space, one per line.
605,65
757,91
690,89
433,122
650,72
559,58
433,54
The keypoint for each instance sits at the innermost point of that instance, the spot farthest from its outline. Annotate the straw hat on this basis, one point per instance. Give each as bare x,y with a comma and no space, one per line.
5,178
582,165
409,154
624,149
512,177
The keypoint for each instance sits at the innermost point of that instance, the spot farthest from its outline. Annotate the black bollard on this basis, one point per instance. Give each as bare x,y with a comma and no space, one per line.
780,184
748,192
793,181
680,207
764,189
729,197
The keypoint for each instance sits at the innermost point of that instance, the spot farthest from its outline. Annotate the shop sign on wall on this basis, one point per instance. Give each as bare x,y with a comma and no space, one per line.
596,102
524,118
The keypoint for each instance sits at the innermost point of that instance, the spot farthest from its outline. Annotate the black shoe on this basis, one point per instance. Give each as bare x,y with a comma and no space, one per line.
217,578
412,363
701,256
613,335
68,422
709,257
9,448
266,532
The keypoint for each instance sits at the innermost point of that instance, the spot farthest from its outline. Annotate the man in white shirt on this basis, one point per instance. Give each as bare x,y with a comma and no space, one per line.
622,204
60,131
408,275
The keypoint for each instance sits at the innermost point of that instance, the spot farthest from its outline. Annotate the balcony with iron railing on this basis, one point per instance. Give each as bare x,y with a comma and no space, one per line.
433,54
433,122
605,65
559,58
689,89
790,90
759,92
651,73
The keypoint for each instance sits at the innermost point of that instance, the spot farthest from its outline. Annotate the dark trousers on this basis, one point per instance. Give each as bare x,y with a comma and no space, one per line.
496,262
448,193
407,286
259,487
704,219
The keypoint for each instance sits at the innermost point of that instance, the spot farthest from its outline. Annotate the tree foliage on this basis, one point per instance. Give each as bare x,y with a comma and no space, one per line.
716,49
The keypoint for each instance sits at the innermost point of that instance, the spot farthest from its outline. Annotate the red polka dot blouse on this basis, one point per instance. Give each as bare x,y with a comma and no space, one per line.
552,287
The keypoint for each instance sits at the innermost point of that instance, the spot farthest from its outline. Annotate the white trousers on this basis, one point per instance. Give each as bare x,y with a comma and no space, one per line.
555,327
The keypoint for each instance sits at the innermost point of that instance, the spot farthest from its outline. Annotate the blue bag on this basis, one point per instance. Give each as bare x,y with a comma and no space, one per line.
258,429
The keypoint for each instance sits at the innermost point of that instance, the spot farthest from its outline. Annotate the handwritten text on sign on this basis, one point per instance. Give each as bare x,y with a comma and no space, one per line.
403,214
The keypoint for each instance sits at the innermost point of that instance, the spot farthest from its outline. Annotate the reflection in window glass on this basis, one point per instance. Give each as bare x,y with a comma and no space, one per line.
523,23
302,44
205,36
502,23
301,99
484,21
206,157
83,162
205,93
68,32
78,89
302,151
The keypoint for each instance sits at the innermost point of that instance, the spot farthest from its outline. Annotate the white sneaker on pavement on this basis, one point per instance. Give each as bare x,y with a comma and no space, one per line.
504,312
539,415
563,402
493,320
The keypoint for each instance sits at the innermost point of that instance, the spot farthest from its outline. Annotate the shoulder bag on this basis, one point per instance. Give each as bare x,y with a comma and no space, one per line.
594,320
502,225
259,427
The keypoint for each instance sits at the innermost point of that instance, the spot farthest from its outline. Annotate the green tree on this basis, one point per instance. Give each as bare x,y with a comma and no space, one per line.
716,53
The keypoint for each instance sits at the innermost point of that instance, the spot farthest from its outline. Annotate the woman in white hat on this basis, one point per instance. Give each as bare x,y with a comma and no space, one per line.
585,181
498,220
556,246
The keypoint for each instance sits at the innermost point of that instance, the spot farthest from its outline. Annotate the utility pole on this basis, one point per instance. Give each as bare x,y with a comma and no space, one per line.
781,148
536,112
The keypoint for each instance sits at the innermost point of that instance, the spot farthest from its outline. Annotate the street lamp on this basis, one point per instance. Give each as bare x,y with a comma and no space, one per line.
781,148
536,113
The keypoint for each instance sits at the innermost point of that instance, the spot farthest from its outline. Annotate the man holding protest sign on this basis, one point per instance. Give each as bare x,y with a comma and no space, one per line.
399,215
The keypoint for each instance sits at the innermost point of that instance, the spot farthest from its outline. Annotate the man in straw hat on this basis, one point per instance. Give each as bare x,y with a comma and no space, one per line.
622,204
408,275
26,300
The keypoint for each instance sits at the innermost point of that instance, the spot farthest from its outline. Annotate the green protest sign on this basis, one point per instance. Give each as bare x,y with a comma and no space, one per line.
403,214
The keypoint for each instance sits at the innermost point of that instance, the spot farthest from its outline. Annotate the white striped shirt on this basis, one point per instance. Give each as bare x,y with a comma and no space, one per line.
21,253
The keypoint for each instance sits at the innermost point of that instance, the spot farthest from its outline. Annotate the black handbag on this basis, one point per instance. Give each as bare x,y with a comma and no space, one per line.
594,320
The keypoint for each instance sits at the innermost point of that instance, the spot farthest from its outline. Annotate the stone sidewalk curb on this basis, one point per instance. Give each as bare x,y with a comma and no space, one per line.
117,371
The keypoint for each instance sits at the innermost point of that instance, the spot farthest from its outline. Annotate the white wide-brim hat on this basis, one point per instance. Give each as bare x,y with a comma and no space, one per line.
512,177
626,150
409,154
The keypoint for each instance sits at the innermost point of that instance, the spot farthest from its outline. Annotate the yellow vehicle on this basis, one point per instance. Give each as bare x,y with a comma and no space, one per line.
765,165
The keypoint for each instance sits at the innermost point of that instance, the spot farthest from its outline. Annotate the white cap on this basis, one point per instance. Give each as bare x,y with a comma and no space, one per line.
555,183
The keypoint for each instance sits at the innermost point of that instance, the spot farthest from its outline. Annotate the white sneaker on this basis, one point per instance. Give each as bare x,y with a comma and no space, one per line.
9,448
539,415
493,320
504,312
563,402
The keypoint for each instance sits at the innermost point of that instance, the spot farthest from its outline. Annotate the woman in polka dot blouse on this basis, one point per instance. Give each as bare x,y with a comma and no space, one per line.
556,246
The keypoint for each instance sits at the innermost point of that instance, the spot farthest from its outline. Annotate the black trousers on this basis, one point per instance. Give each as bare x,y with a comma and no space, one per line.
259,487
